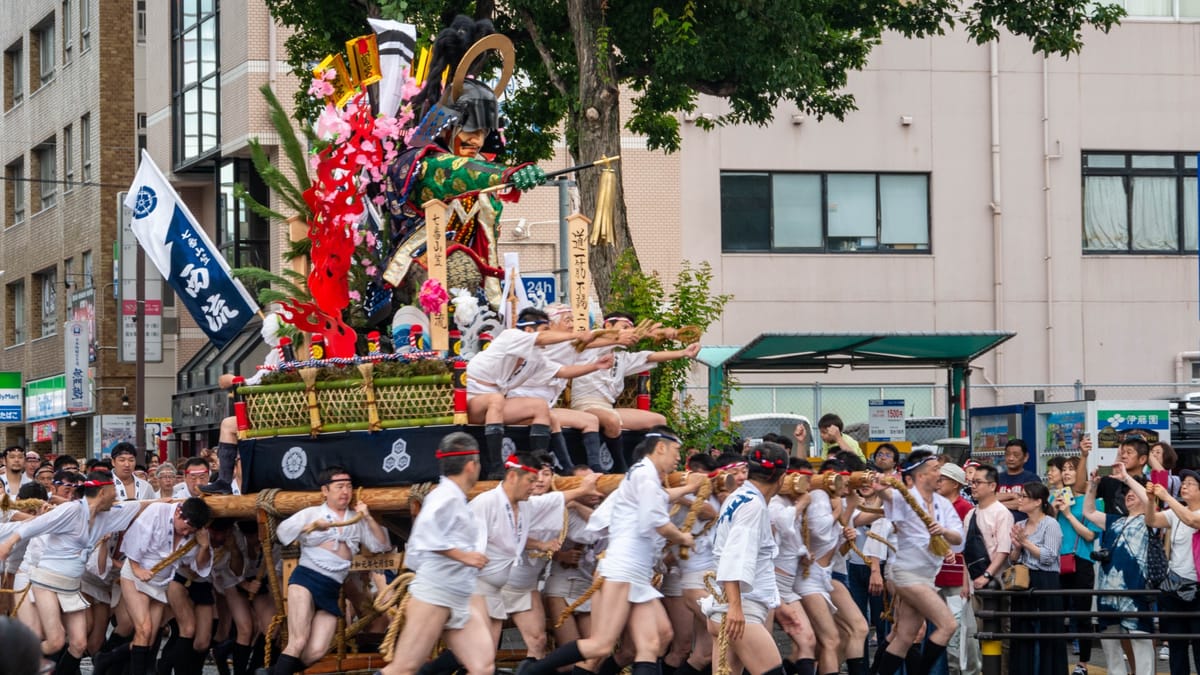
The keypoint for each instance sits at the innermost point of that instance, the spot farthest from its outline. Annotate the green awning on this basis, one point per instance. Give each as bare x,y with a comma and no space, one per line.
715,356
818,352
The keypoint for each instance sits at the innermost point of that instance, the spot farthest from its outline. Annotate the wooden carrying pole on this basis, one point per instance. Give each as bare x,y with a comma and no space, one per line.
383,499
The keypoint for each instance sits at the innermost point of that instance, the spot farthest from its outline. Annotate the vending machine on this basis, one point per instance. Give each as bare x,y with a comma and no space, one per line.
1059,427
992,426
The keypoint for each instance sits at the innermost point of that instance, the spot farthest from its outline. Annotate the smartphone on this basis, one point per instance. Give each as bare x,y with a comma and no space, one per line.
1104,470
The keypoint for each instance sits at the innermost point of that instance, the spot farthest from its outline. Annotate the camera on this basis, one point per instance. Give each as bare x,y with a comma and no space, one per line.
1102,556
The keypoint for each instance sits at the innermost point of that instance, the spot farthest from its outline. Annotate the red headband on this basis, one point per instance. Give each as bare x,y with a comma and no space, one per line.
733,465
513,463
95,483
443,454
802,472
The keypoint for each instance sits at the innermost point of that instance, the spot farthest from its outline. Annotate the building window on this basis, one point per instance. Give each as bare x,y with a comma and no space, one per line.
15,334
68,142
141,132
67,33
14,192
1139,202
140,25
44,191
824,212
1161,9
85,147
47,282
197,74
14,76
85,25
85,265
243,236
42,48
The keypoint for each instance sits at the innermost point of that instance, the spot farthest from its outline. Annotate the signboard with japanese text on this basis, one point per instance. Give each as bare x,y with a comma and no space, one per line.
127,296
577,257
435,247
11,398
886,419
46,399
82,307
75,366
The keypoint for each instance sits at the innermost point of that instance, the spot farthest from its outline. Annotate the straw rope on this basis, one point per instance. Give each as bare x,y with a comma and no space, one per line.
937,543
174,557
689,521
562,537
587,595
394,598
721,667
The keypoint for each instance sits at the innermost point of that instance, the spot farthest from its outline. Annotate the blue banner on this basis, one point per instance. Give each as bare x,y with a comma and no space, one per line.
184,255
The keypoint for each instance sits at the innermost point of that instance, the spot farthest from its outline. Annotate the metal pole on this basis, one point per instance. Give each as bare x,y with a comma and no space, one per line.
990,650
139,428
564,206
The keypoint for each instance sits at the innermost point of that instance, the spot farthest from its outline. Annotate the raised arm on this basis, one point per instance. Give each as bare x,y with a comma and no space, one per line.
1089,504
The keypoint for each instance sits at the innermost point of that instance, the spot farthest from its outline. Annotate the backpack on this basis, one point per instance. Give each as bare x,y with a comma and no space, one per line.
975,553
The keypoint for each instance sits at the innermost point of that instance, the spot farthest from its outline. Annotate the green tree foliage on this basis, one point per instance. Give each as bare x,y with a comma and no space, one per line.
691,302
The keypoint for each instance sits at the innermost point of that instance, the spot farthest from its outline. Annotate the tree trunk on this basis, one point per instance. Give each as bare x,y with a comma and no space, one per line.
598,124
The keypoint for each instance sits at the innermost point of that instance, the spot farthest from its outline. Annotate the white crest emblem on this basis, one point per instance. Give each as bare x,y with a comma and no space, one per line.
509,447
398,459
295,461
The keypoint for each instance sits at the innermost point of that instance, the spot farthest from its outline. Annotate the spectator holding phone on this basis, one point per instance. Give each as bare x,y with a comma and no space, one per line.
1182,519
1124,544
1075,555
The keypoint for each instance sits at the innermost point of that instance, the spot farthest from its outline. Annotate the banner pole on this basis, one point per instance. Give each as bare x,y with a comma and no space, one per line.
139,428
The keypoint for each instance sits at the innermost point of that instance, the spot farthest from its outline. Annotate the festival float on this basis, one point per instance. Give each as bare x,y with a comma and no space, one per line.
393,283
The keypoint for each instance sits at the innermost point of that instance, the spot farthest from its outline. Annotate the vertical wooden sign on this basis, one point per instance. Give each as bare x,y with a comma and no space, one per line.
581,281
435,258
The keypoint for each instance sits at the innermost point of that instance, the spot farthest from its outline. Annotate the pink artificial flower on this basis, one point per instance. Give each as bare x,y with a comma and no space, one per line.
370,238
320,88
433,296
370,270
354,295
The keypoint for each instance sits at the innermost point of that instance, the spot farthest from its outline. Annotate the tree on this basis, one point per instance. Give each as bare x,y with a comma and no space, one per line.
576,54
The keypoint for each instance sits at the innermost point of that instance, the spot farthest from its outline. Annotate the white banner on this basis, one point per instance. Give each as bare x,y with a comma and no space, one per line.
76,366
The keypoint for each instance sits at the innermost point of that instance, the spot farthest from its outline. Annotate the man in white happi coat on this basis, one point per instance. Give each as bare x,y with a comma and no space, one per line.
163,532
329,535
744,548
786,512
639,525
71,531
597,392
129,486
444,551
495,375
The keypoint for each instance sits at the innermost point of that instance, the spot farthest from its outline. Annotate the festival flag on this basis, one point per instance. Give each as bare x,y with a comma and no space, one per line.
187,259
396,44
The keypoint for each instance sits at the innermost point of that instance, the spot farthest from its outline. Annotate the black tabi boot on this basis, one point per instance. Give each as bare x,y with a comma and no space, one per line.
539,437
493,460
139,660
562,455
591,448
227,455
616,448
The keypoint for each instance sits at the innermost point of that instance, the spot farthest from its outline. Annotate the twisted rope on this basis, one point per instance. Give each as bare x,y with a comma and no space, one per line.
21,600
174,557
689,521
562,537
721,667
587,595
393,598
265,502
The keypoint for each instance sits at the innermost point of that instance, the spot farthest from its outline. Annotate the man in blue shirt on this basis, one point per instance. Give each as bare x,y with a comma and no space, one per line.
1015,475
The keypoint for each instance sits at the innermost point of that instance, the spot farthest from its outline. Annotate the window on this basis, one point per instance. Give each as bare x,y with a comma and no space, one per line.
141,132
1162,9
824,212
15,292
67,33
14,76
86,268
48,302
196,82
68,158
1139,202
85,147
243,237
44,191
140,25
85,25
42,48
14,192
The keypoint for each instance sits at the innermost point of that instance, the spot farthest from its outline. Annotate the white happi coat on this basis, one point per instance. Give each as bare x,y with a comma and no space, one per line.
312,554
71,534
744,546
151,539
444,522
609,383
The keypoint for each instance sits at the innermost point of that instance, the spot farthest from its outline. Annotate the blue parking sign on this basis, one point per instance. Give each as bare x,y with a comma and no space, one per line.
541,289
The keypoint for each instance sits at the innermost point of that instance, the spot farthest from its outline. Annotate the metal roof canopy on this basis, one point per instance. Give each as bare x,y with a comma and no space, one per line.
818,352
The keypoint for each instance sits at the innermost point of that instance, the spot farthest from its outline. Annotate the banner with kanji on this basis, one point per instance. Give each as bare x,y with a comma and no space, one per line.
187,259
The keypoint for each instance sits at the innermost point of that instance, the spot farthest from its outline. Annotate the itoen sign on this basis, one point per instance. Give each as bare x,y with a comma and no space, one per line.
11,398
